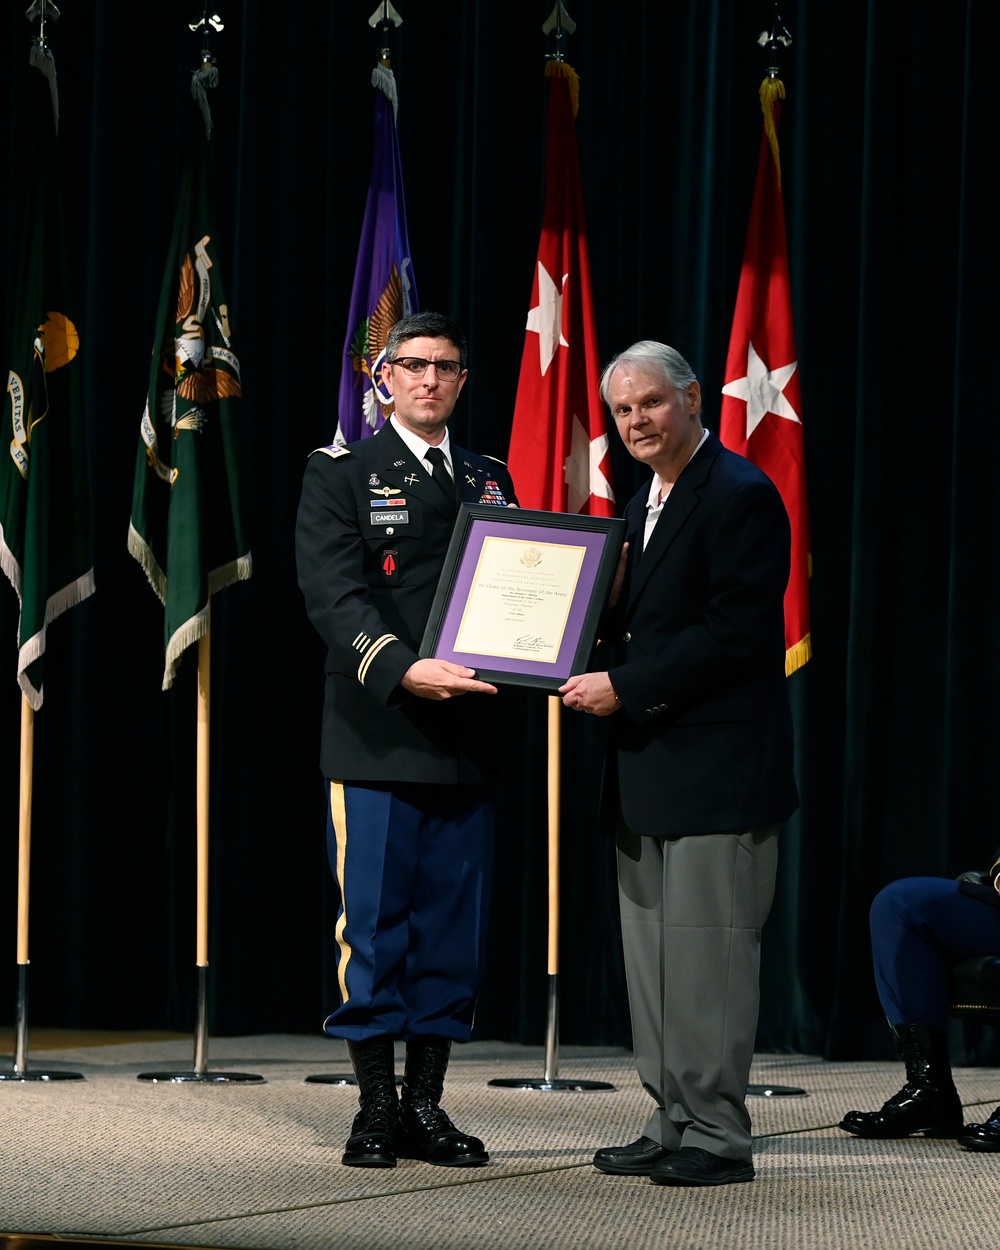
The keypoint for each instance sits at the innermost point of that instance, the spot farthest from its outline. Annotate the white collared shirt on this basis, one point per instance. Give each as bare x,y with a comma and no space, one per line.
654,504
420,446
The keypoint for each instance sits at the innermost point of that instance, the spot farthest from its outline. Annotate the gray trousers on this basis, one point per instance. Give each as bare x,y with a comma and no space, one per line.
692,910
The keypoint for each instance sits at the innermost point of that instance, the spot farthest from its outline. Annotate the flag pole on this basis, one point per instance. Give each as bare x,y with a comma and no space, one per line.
200,1071
759,265
554,790
187,620
384,291
201,942
25,796
39,555
550,1081
539,494
21,1071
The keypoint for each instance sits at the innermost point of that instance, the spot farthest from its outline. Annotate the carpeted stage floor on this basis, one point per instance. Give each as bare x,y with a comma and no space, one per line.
112,1160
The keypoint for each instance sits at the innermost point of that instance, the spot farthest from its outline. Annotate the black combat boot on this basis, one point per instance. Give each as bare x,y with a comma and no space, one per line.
375,1133
927,1103
430,1135
982,1136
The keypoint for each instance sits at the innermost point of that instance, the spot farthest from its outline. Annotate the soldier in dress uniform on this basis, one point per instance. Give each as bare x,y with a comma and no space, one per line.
404,752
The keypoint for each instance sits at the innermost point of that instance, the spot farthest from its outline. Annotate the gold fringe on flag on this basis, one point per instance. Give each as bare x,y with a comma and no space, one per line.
772,89
796,656
559,69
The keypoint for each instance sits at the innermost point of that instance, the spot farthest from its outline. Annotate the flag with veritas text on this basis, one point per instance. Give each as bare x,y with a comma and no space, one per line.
384,288
761,414
188,528
45,524
559,453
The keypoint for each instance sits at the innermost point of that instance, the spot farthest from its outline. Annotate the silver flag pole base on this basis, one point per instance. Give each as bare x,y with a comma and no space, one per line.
550,1082
776,1091
41,1074
199,1073
21,1071
556,1085
205,1078
337,1078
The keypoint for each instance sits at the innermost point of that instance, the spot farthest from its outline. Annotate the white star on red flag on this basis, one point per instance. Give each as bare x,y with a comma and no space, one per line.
763,390
559,454
545,319
584,476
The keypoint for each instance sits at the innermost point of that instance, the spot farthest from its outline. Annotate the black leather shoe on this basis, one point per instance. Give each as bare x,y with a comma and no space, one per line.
984,1137
934,1112
692,1166
635,1159
428,1134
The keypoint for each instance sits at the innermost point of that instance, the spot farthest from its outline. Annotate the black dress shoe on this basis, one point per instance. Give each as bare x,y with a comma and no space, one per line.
692,1166
428,1134
985,1137
635,1159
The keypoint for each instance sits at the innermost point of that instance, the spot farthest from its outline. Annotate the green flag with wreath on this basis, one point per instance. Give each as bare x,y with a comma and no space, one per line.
188,529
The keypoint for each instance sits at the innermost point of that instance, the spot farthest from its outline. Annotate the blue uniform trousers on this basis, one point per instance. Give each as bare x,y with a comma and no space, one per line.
414,863
920,927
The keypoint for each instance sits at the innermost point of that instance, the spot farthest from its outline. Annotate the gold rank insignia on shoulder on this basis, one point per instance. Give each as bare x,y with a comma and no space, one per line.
334,451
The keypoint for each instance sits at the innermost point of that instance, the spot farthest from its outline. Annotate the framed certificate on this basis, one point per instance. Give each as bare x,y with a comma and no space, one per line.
521,593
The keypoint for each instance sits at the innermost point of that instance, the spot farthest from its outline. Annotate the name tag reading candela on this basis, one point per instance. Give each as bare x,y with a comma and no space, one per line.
390,518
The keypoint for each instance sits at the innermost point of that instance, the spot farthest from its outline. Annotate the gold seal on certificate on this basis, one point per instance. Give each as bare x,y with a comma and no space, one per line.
521,593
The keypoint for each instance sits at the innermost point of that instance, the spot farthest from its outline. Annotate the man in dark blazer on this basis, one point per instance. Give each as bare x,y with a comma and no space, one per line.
405,754
695,685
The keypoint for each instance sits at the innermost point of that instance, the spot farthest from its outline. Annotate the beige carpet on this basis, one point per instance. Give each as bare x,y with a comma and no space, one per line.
258,1166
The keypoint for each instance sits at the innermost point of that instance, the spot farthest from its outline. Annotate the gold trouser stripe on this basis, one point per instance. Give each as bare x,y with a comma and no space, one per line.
373,651
339,811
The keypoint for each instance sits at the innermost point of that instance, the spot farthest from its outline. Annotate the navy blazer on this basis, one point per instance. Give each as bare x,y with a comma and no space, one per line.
370,540
704,737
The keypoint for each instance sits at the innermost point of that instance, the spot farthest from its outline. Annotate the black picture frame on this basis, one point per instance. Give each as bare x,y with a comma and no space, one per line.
590,544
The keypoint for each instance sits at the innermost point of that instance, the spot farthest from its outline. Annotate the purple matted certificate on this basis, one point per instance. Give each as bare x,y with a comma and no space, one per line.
521,593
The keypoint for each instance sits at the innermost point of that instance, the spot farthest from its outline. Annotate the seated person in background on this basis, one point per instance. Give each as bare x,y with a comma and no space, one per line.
921,927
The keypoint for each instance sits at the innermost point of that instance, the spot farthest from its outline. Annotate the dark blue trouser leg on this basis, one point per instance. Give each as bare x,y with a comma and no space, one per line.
920,927
414,865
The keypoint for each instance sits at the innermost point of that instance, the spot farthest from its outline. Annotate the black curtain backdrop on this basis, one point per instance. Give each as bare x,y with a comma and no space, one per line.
888,137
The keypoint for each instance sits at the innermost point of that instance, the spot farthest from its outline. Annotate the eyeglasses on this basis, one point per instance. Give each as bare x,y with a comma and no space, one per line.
416,367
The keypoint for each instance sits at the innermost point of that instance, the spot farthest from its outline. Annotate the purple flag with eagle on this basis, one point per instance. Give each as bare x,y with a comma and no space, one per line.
384,289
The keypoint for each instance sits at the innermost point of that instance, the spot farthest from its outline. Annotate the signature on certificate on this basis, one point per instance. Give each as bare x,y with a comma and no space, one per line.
531,642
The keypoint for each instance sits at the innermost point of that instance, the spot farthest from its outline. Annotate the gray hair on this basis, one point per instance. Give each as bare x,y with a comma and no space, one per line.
648,356
426,325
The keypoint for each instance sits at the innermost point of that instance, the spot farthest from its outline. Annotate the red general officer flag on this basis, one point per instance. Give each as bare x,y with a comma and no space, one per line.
762,407
559,454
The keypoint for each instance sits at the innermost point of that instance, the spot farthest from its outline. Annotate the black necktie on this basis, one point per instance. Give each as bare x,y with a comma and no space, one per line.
439,472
